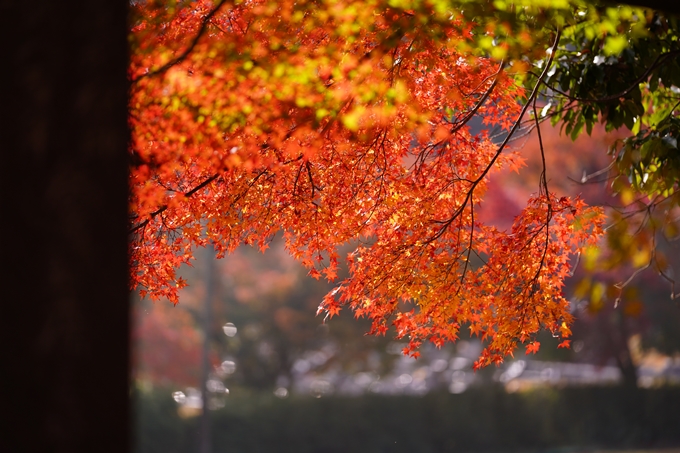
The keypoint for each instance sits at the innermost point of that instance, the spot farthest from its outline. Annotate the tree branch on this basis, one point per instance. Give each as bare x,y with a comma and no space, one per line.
468,116
165,207
501,147
179,58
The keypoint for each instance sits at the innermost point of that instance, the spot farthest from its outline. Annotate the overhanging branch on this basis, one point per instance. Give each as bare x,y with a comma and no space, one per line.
165,207
182,56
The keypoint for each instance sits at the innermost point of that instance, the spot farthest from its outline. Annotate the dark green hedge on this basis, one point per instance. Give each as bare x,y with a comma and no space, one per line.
485,419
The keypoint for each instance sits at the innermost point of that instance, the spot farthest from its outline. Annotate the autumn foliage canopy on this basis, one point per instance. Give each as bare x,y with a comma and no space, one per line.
347,123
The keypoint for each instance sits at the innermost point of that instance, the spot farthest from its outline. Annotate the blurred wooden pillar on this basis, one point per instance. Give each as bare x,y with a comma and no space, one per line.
63,214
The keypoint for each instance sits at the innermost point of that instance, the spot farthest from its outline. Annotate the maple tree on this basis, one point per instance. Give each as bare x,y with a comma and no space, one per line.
602,327
629,83
337,122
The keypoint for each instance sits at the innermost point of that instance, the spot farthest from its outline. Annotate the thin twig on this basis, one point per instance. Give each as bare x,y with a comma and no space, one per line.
165,207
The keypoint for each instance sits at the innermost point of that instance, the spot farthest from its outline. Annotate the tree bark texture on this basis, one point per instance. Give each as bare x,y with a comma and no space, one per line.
64,291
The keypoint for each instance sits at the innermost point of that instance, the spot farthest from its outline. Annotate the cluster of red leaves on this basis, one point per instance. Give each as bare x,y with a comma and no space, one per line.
333,122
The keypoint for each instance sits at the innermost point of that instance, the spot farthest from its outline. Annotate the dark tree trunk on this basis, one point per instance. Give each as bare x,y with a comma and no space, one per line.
621,349
629,371
64,292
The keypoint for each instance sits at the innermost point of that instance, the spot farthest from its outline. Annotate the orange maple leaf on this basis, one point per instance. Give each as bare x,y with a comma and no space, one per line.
533,347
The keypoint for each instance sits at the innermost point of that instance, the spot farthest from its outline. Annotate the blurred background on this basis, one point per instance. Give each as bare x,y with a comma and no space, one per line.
243,364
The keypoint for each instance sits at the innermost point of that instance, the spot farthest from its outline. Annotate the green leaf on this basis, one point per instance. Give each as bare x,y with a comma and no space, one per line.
614,45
